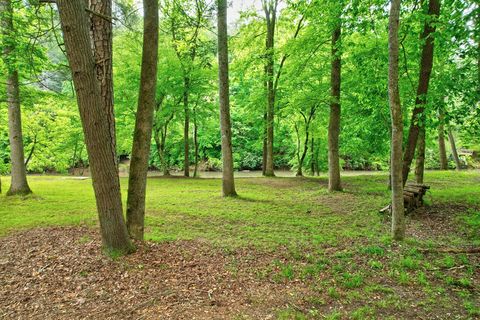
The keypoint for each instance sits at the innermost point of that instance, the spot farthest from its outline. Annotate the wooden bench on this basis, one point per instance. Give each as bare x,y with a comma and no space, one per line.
412,197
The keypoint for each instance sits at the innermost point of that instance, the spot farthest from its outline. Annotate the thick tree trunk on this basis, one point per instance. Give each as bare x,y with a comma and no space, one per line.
398,219
441,141
270,8
137,181
426,64
458,164
186,144
96,130
19,184
420,164
334,183
101,33
228,181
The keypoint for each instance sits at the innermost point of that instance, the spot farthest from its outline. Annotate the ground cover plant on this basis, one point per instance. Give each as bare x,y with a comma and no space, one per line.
286,249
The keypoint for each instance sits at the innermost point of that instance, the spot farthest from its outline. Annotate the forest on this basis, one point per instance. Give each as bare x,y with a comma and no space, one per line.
245,159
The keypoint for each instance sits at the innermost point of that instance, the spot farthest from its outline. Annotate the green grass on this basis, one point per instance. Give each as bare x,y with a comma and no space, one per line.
338,243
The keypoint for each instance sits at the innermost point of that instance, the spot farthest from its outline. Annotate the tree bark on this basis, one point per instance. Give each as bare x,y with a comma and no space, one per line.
137,181
270,8
458,164
398,219
195,141
228,181
186,144
441,141
19,184
420,164
96,130
426,64
101,33
312,156
334,183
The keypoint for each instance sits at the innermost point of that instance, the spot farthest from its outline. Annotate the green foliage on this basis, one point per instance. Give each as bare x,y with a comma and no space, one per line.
187,64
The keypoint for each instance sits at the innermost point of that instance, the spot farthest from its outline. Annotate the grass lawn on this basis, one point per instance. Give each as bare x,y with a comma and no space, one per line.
333,250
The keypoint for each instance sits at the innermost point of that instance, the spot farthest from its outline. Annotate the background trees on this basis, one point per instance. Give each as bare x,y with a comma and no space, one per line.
302,59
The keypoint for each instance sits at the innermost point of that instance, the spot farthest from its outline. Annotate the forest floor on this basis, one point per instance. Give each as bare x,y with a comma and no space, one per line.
284,249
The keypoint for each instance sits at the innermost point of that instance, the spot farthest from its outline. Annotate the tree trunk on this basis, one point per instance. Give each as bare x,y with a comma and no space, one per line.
304,153
228,181
334,183
270,8
426,64
195,141
137,181
19,184
101,33
441,141
161,152
398,219
420,165
312,156
32,151
264,149
458,164
96,130
186,161
299,168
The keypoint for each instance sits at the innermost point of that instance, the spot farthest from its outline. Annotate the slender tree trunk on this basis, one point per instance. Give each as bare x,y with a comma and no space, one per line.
398,219
19,184
304,153
334,183
228,181
458,164
160,145
166,169
270,8
420,164
32,151
441,141
186,161
96,130
142,136
299,168
101,33
264,149
312,156
195,141
426,64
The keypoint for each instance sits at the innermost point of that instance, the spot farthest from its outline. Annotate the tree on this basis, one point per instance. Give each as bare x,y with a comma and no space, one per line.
19,184
96,130
185,32
398,220
137,181
418,114
270,9
334,183
101,33
228,182
441,140
458,164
